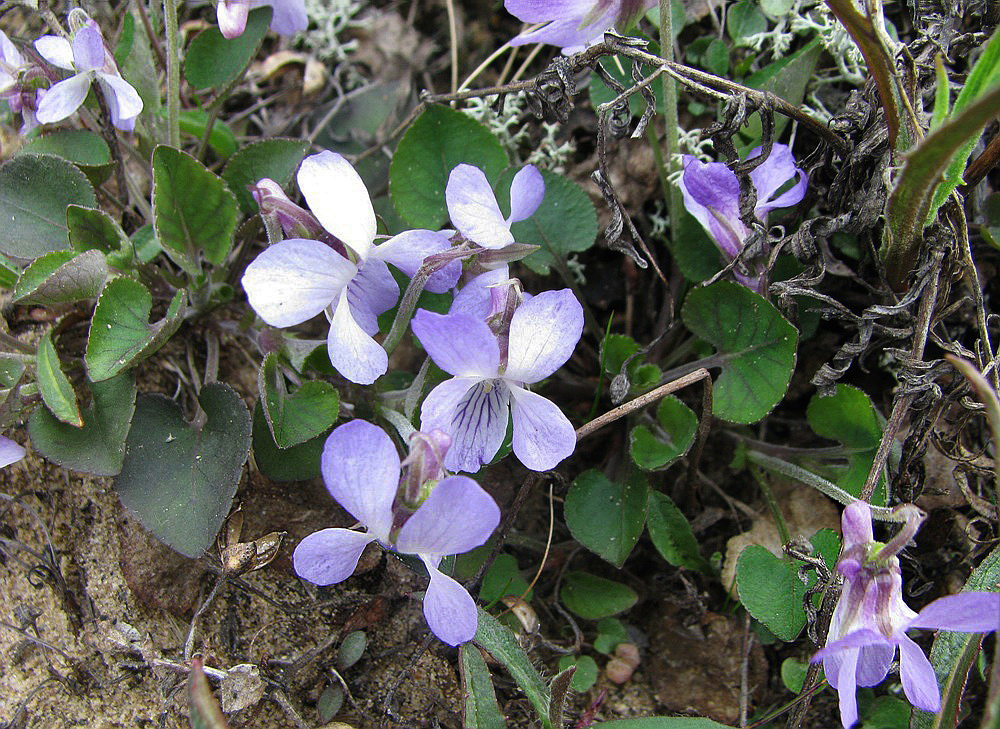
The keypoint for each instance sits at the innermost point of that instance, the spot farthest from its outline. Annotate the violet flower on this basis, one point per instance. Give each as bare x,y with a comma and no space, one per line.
92,61
361,469
10,452
491,367
289,16
712,195
473,207
345,275
870,620
16,73
574,24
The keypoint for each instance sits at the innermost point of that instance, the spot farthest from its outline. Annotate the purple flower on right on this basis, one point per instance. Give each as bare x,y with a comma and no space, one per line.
574,24
870,620
712,195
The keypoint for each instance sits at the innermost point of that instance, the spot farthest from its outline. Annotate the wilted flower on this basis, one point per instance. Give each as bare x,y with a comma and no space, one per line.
712,195
91,60
473,207
289,16
574,24
347,277
870,620
10,452
491,367
362,472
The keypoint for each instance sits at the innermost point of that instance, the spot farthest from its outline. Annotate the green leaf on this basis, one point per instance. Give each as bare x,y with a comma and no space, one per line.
501,579
610,632
35,190
194,213
787,78
212,61
586,671
887,712
756,348
793,674
565,223
679,424
296,417
942,93
743,20
205,711
607,517
615,349
55,388
671,534
120,332
99,446
275,159
953,654
716,58
351,649
221,139
440,139
79,146
501,643
771,591
694,250
481,710
592,597
61,278
298,463
179,478
664,722
145,244
139,69
92,229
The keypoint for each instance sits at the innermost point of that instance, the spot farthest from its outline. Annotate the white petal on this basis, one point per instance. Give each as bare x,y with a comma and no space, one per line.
339,199
353,353
56,51
64,98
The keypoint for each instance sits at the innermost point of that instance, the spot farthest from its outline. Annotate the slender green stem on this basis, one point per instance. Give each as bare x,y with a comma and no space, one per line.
671,137
772,504
173,72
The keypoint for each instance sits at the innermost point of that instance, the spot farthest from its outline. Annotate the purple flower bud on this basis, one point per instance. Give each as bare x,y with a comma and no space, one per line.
424,465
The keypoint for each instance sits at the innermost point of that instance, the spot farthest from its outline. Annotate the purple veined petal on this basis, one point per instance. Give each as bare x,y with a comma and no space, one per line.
124,101
459,344
698,183
967,612
526,192
567,34
232,17
289,16
294,280
353,352
853,640
10,452
915,671
539,11
449,609
474,412
408,250
56,51
88,48
474,298
473,208
773,172
360,467
329,556
847,689
372,291
64,98
458,516
544,332
856,524
873,663
543,435
339,199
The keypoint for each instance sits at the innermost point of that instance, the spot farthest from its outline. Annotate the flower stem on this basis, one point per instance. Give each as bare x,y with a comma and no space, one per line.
670,139
173,72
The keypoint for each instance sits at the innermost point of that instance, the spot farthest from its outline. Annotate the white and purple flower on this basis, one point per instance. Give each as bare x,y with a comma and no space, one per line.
289,16
10,452
870,620
91,61
16,73
346,277
491,367
361,469
473,207
574,24
712,195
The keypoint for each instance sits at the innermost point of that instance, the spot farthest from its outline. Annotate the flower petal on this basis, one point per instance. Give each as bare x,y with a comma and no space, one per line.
360,467
919,682
544,332
538,11
856,524
847,689
473,208
543,436
372,291
772,173
711,194
855,639
88,48
567,33
968,612
353,352
232,17
457,516
9,53
339,199
56,51
408,250
64,98
459,344
329,556
10,452
474,413
526,192
294,280
449,609
123,100
475,298
289,16
873,663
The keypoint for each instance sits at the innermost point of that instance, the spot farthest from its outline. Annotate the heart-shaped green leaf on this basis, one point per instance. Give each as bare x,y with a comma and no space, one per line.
99,446
212,61
671,534
607,516
771,591
675,435
592,597
194,213
179,478
275,159
120,332
298,463
62,277
93,229
756,348
55,388
79,146
295,417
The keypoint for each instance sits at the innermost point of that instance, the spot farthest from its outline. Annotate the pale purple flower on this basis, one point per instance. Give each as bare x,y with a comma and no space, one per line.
870,620
473,207
296,279
712,195
361,469
16,73
490,372
574,24
10,452
92,61
289,16
12,64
